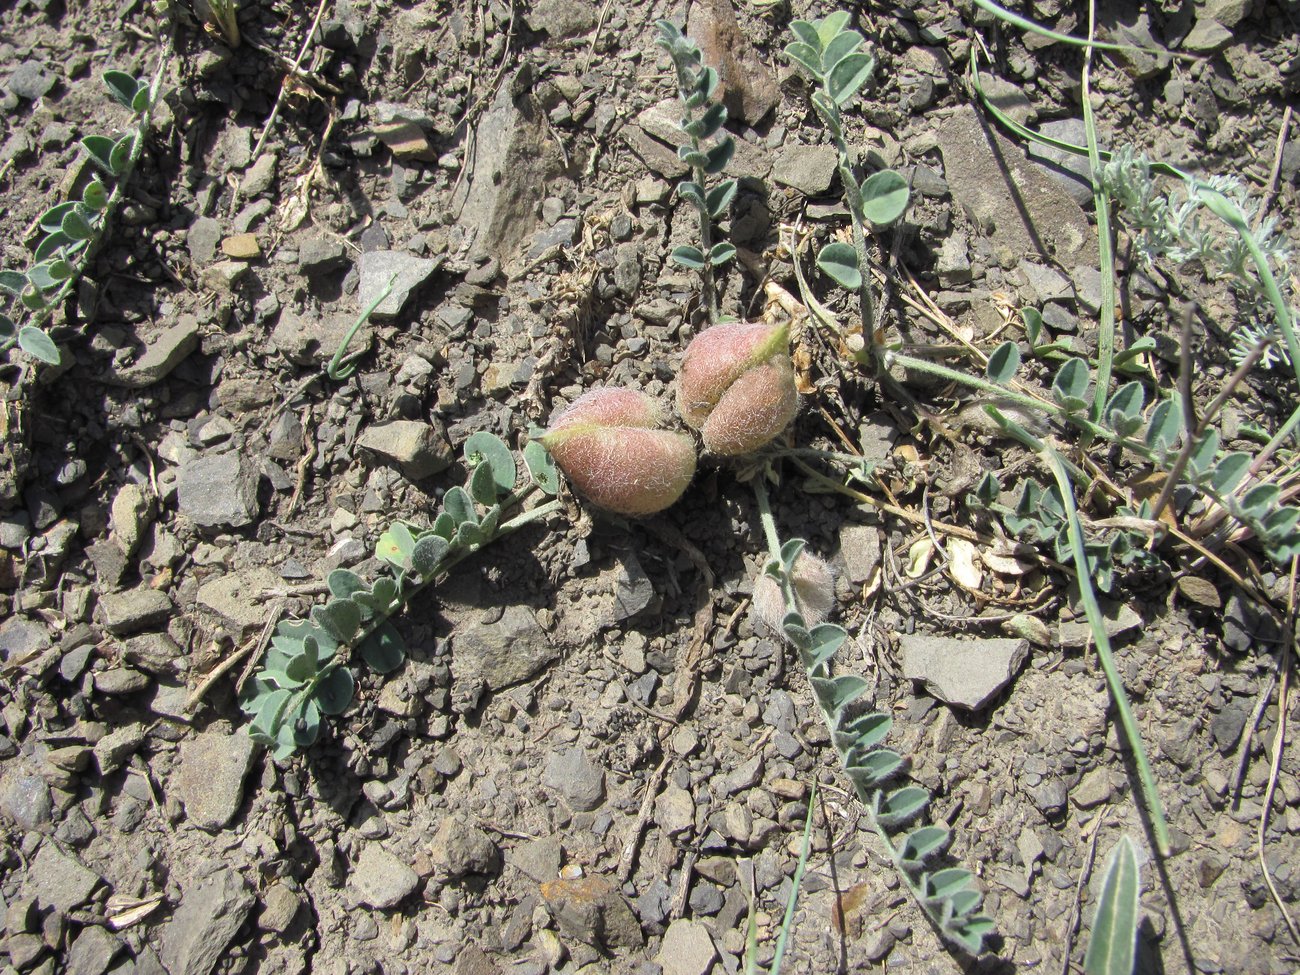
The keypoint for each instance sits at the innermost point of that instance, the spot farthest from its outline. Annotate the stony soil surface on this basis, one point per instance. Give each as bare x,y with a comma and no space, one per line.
594,754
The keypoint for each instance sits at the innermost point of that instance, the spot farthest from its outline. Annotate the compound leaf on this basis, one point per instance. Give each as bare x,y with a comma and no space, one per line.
121,86
836,693
100,149
38,345
720,155
541,467
720,197
488,448
721,253
457,503
924,842
1230,471
340,618
902,805
849,75
839,46
334,692
428,553
688,257
344,582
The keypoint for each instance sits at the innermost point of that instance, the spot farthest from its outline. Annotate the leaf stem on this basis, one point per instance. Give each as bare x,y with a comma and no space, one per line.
338,368
1097,622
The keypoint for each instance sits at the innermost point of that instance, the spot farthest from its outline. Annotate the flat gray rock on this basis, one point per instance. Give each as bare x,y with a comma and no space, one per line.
514,159
406,271
233,596
459,849
219,490
134,610
687,949
577,779
211,777
92,952
25,799
32,80
507,651
202,239
59,881
809,169
962,673
418,449
1022,210
380,879
167,351
210,914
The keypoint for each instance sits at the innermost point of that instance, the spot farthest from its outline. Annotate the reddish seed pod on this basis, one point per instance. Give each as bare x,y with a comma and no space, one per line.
611,445
736,386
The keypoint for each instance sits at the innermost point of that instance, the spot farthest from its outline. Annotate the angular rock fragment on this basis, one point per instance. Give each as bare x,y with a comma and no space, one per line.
963,673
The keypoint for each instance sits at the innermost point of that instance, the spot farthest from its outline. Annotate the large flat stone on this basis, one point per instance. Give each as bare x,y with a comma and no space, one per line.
1021,209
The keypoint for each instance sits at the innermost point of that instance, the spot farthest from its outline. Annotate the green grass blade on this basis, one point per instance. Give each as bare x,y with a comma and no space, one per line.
1031,135
1023,23
1096,621
1114,929
1105,236
787,921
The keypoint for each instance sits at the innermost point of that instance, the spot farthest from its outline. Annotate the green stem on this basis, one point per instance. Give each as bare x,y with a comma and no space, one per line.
1097,622
1105,236
54,301
1274,293
787,920
765,516
338,368
774,550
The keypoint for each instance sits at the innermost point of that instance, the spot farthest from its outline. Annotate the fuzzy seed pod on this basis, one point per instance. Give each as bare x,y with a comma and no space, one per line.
736,386
610,445
814,593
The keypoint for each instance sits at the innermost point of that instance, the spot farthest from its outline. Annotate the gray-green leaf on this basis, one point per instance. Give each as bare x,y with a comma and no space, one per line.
840,263
884,197
1114,928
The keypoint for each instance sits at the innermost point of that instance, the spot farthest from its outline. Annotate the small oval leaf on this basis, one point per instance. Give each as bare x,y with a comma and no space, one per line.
885,197
840,263
1003,363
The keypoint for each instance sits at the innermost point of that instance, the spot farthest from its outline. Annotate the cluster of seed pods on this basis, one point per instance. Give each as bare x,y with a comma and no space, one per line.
735,387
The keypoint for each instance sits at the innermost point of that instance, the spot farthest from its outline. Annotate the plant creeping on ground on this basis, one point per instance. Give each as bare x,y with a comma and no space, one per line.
307,675
72,231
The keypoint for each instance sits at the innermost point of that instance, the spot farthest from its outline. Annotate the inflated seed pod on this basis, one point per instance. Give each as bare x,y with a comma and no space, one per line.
611,444
814,593
736,386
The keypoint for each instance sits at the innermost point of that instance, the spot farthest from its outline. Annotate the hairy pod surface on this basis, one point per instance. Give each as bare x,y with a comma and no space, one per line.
814,593
611,445
736,386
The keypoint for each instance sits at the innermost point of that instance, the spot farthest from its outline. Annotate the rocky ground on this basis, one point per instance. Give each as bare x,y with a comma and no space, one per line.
593,755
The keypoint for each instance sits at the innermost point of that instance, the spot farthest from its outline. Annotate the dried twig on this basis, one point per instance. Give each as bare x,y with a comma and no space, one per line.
627,859
295,70
1279,742
1275,175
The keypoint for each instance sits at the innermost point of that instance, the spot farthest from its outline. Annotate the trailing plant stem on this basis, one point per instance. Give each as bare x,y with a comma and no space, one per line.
52,302
773,541
866,303
1096,620
404,596
1105,237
